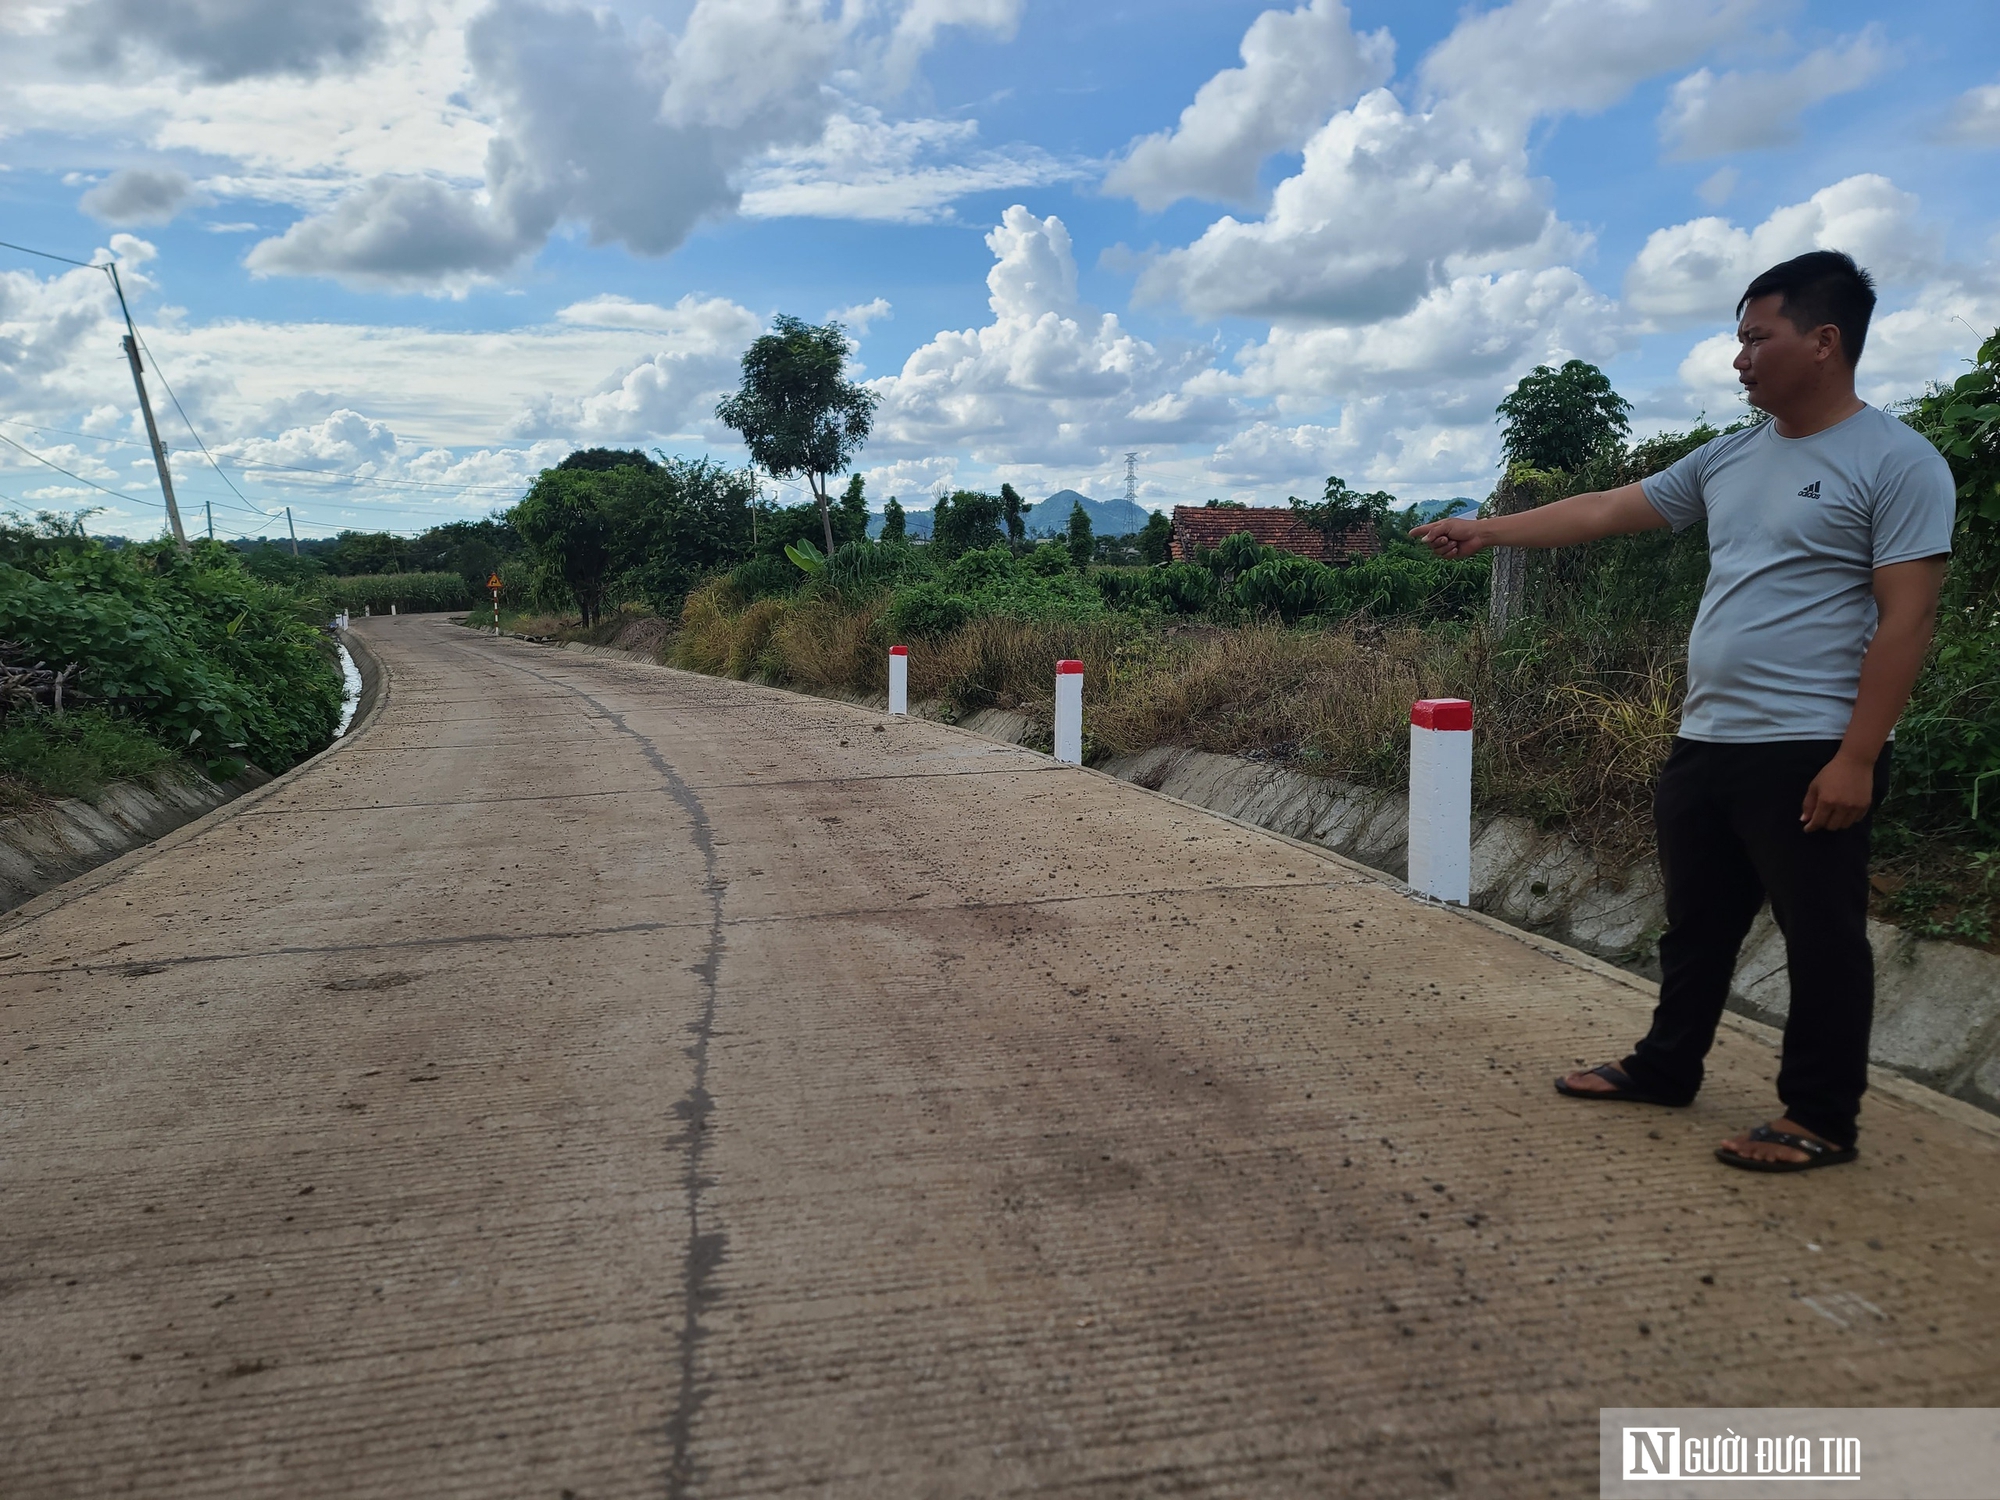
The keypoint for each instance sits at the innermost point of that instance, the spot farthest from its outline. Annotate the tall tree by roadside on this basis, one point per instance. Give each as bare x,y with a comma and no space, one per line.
1554,423
1081,544
1156,539
966,521
854,510
1559,419
564,524
1015,513
797,411
893,522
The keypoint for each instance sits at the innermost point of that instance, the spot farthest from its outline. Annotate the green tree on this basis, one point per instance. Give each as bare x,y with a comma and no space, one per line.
599,459
892,520
1081,544
1156,539
562,520
369,552
853,512
471,549
674,524
1015,513
1559,419
797,411
966,521
1340,509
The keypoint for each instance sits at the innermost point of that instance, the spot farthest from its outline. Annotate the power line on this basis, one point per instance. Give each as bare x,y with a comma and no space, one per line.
117,494
184,418
88,265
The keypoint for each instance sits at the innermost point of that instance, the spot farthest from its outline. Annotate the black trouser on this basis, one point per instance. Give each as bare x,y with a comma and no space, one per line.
1728,824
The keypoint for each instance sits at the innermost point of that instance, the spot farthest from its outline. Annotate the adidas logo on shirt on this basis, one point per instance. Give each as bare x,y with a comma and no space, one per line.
1811,491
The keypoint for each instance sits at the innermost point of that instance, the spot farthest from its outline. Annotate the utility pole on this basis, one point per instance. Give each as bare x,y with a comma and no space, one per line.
293,530
146,409
209,506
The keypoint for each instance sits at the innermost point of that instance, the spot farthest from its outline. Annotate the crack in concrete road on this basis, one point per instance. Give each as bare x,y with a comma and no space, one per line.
706,1245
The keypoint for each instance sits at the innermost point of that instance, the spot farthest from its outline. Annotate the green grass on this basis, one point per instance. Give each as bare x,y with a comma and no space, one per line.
77,755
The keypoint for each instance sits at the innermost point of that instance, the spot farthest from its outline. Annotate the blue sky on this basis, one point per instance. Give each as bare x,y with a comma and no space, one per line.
397,255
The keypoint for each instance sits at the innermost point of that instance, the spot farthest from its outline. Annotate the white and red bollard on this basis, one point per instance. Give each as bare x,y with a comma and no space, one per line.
1069,712
899,682
1441,798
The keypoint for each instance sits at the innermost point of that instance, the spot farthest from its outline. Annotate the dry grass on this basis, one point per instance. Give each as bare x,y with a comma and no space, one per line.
1573,734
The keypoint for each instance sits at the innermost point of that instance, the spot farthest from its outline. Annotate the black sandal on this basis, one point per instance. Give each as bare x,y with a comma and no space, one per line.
1818,1153
1623,1089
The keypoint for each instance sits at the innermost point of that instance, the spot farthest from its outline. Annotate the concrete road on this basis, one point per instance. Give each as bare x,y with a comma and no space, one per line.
591,1080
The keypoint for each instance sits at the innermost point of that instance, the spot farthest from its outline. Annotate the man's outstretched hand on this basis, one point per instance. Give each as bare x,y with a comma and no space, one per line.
1839,796
1458,537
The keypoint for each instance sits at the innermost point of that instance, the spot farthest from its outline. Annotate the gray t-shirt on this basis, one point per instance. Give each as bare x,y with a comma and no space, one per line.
1796,528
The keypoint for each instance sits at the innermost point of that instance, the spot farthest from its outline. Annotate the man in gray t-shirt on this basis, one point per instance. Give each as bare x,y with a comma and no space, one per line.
1828,531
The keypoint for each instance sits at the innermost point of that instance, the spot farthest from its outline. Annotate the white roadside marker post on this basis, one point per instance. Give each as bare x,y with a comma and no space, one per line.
899,682
1069,712
1441,799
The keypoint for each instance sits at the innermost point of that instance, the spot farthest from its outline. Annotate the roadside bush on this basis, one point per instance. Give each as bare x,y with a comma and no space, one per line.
1176,589
76,754
863,568
1288,587
764,578
1049,560
924,611
216,664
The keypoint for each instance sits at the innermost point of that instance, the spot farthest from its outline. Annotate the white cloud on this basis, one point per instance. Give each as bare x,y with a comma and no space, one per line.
397,234
140,195
917,28
639,135
1974,118
1387,205
1472,333
671,391
219,41
911,480
1713,114
1698,269
1298,66
1533,59
856,319
909,171
1050,378
1393,200
344,440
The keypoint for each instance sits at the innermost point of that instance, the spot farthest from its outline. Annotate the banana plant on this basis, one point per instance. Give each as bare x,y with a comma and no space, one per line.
806,557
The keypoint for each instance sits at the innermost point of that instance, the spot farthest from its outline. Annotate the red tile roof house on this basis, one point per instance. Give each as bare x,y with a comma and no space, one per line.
1199,526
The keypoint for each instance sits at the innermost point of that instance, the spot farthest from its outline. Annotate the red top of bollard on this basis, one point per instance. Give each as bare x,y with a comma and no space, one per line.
899,650
1065,667
1441,713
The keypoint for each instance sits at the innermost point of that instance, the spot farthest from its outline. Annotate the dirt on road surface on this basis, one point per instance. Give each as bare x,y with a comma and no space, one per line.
592,1080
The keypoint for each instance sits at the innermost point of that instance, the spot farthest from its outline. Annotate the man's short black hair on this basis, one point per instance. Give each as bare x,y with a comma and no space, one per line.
1820,287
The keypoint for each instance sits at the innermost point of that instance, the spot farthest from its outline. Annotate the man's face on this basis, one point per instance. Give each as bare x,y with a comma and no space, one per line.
1775,361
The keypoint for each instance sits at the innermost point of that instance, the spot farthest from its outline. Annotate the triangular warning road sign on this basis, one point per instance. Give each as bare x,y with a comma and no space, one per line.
493,580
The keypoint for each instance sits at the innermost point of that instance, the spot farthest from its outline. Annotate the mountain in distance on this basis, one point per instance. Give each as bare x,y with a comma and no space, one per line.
1118,517
1048,517
916,524
1440,510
